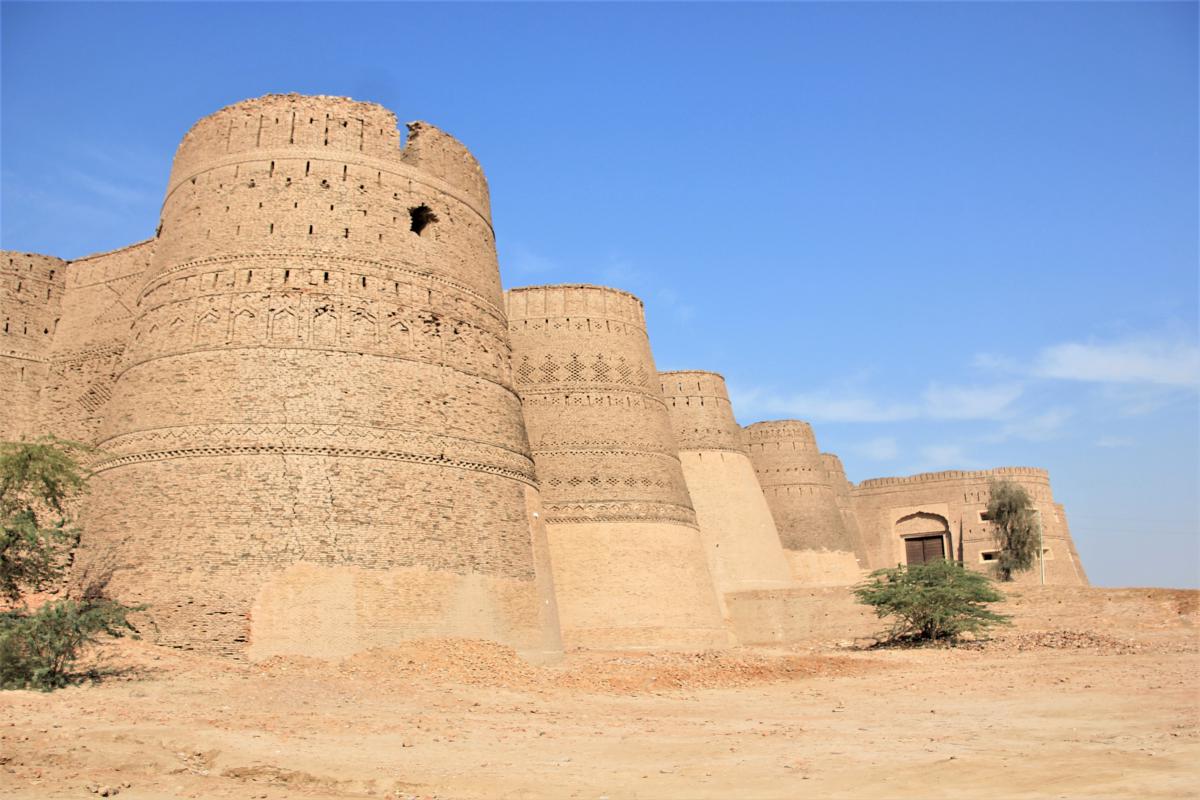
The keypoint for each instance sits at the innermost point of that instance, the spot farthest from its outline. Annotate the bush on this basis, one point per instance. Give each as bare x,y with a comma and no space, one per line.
39,650
1015,528
931,602
38,481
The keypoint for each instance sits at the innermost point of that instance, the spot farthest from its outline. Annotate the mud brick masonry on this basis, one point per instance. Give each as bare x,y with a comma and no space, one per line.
322,426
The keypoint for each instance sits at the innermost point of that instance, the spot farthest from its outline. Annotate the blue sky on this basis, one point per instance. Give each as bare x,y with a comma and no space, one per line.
950,235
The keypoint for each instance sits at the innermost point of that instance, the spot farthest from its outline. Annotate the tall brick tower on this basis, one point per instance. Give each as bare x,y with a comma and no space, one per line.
800,493
735,522
629,564
31,292
313,444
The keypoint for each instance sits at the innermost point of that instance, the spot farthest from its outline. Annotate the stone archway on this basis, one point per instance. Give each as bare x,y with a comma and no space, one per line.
926,537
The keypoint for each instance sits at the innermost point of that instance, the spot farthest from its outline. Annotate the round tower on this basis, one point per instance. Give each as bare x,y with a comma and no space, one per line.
739,533
313,444
835,474
629,566
797,487
31,290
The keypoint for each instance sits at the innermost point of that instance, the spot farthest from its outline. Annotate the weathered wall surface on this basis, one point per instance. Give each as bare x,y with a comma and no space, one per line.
97,310
952,505
317,374
629,566
803,499
31,292
736,525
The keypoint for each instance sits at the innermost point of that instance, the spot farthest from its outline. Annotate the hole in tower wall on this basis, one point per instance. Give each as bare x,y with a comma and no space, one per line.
422,217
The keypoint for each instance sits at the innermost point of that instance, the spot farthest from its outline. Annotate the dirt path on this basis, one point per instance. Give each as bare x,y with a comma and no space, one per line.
1068,715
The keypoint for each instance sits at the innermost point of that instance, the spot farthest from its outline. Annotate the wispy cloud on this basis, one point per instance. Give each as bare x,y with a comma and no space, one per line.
1114,441
1033,427
970,402
524,261
1141,360
883,448
108,190
944,456
938,401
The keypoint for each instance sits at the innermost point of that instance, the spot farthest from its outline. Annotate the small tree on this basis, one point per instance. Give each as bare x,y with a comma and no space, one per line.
936,601
1015,528
38,482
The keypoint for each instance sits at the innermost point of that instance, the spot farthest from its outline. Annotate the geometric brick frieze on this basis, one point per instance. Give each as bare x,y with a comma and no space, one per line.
348,441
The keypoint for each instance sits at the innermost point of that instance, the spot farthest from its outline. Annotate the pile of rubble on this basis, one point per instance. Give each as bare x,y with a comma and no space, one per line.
1063,640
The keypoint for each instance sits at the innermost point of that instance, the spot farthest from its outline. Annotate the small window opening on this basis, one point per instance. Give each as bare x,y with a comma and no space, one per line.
327,277
287,273
271,228
364,281
344,169
989,555
310,230
422,217
271,172
307,167
346,233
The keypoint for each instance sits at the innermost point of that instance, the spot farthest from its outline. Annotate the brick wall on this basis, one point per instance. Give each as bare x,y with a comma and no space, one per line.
629,566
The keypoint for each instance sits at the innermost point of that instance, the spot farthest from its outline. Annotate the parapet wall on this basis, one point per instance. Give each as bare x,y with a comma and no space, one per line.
98,307
629,566
316,397
31,292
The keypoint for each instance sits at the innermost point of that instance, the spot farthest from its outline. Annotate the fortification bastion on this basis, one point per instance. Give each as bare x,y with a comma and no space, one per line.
735,522
803,500
316,386
629,566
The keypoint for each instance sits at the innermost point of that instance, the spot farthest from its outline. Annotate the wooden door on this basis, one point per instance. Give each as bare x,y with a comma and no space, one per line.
924,549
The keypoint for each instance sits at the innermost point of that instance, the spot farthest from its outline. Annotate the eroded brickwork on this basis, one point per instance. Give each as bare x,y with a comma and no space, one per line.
629,566
98,307
31,293
317,372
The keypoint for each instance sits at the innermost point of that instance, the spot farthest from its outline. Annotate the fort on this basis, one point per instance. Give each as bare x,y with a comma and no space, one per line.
322,426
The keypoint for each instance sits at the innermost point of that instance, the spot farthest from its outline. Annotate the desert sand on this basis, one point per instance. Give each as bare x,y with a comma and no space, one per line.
1092,693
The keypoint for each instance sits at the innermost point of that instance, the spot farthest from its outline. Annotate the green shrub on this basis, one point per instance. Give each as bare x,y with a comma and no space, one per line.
1015,527
931,602
39,650
39,482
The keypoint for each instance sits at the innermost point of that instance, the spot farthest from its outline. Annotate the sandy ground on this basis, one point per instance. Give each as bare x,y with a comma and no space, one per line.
1094,693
